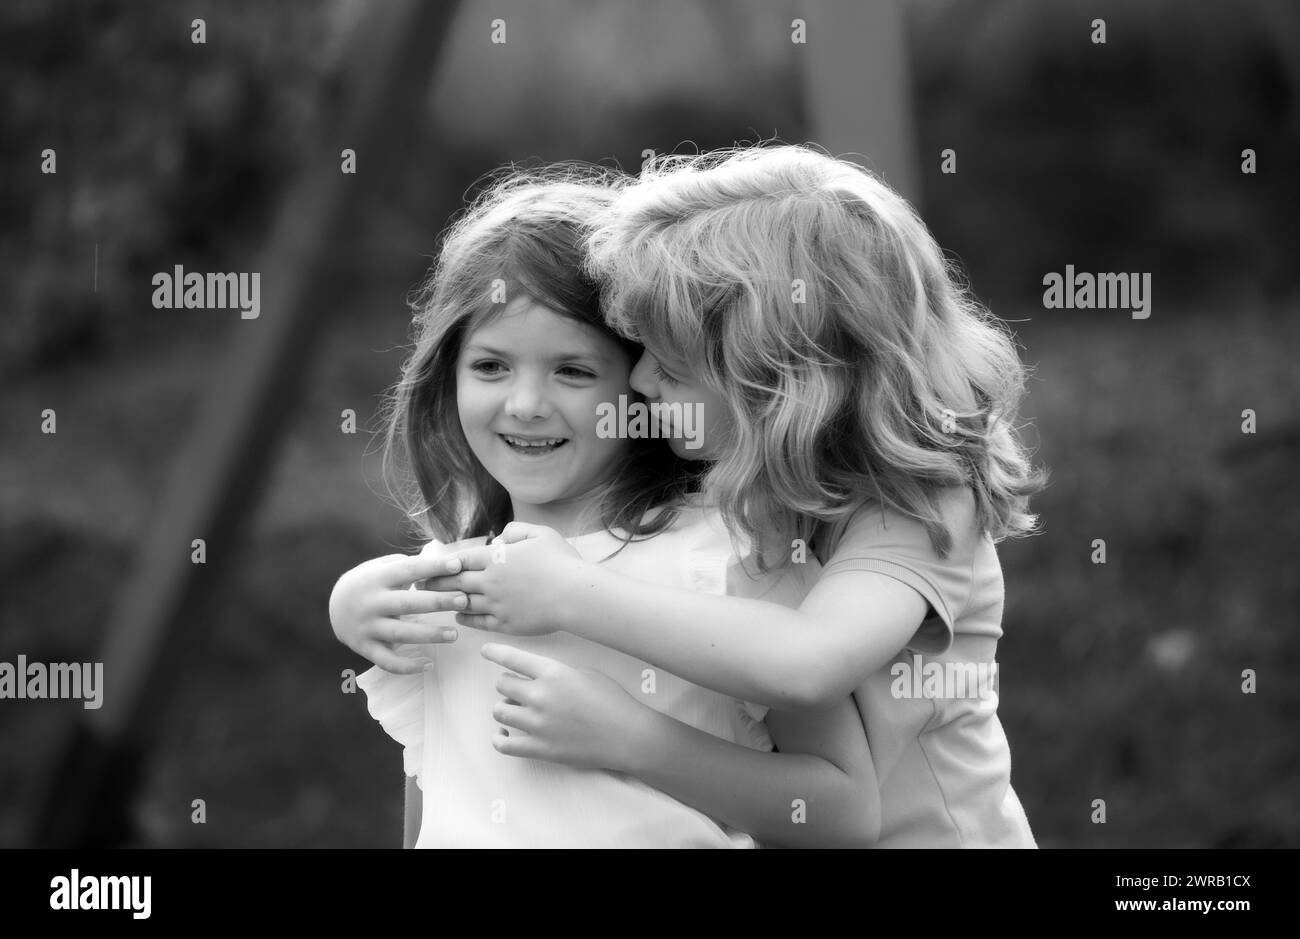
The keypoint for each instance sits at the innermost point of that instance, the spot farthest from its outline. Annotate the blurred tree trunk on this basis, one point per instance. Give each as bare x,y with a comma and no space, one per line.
219,475
857,87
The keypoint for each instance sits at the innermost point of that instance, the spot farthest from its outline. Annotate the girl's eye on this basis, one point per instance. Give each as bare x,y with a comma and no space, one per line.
664,376
574,372
487,367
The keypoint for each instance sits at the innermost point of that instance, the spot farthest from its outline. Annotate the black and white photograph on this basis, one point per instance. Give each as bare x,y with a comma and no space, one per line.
577,424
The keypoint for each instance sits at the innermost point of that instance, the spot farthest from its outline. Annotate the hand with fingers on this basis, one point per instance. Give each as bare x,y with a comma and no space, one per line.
369,602
520,583
552,711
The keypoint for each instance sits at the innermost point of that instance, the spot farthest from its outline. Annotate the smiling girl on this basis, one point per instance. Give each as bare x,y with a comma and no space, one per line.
494,421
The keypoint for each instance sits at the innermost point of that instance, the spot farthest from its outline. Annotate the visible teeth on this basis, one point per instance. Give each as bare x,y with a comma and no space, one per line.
516,441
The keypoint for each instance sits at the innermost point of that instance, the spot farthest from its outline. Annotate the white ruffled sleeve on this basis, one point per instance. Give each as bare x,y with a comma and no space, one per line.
397,702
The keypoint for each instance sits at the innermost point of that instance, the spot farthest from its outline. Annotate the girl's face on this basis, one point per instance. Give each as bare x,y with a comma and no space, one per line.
527,388
665,380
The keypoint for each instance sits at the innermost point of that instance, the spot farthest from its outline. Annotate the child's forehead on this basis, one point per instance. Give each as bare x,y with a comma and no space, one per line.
526,324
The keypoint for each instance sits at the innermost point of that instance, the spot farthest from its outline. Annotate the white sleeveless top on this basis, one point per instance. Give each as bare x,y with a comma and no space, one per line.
475,797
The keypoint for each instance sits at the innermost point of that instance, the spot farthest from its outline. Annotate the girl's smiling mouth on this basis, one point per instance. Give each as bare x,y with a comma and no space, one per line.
532,446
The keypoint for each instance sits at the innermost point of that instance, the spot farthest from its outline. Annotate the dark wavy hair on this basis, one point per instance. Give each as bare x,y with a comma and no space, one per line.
525,232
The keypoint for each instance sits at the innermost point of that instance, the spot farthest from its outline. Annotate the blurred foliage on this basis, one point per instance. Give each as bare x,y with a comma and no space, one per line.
167,151
1117,157
170,151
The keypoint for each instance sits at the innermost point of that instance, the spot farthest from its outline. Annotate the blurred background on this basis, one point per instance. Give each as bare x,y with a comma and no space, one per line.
1120,682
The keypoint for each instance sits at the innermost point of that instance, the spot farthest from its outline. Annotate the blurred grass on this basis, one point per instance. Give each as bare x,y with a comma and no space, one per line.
1123,681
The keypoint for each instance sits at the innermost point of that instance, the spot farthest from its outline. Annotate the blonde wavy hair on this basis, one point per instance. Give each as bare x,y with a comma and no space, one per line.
852,359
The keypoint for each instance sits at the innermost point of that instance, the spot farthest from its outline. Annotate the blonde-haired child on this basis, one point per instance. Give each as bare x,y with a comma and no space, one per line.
858,404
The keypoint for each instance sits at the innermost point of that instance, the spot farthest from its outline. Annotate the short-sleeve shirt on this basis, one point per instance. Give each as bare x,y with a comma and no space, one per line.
941,755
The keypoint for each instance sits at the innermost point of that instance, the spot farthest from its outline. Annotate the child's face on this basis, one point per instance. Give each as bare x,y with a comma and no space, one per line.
527,388
665,380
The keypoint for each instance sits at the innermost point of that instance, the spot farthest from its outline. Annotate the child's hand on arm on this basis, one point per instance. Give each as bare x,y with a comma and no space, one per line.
849,626
820,791
576,716
368,601
522,584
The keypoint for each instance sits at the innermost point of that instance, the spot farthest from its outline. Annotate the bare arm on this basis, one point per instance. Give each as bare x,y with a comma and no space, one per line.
820,792
849,626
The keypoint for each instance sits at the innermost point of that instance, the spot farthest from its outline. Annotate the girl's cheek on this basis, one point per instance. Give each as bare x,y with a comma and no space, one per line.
476,410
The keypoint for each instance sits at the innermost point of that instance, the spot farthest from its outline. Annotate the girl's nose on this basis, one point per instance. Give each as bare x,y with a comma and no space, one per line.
642,378
527,402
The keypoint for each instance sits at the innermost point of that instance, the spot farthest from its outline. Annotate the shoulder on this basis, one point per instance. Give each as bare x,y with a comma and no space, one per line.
875,527
697,546
956,504
693,522
885,541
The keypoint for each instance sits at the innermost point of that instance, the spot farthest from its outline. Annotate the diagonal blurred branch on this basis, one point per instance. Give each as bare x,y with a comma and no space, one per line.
215,483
